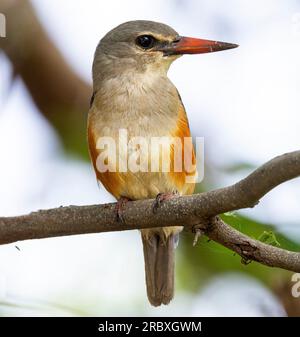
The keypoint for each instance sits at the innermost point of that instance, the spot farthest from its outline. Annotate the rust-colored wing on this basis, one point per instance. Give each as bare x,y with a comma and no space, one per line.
182,132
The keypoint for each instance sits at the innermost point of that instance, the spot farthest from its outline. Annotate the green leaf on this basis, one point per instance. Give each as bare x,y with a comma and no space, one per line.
197,265
269,238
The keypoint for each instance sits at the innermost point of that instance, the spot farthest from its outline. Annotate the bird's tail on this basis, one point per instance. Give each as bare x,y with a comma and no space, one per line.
159,255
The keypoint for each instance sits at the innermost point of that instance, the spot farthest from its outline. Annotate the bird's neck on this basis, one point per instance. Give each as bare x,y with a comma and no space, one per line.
133,93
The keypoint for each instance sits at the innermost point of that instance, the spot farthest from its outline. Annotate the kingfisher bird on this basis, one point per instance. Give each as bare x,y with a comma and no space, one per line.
132,92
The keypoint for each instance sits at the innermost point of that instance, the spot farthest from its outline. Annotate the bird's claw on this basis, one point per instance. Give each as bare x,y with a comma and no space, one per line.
160,198
120,208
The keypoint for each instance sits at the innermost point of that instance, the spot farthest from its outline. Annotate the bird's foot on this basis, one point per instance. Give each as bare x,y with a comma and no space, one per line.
120,208
161,197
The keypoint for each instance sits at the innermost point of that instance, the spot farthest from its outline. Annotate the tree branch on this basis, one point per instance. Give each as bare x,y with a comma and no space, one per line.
194,211
59,93
250,249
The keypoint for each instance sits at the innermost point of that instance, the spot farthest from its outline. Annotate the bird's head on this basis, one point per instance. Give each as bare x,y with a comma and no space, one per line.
142,45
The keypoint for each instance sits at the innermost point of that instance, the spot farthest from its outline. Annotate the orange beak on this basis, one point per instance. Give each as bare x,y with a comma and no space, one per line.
189,45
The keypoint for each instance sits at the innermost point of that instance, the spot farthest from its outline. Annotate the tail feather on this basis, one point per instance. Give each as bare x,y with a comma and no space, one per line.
159,255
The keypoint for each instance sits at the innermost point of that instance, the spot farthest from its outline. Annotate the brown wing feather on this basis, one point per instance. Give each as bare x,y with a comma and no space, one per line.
112,181
181,131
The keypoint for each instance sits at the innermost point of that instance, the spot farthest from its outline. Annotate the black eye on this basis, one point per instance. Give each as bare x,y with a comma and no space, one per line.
145,41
